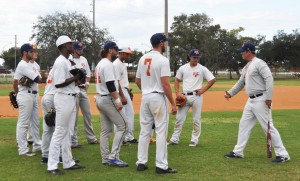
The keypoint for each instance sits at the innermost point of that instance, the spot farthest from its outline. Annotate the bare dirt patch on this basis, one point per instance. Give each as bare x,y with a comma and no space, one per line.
285,97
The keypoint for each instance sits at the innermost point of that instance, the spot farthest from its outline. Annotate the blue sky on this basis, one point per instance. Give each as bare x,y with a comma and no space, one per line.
132,22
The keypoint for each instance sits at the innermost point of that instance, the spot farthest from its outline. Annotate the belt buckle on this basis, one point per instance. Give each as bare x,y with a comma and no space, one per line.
255,95
190,93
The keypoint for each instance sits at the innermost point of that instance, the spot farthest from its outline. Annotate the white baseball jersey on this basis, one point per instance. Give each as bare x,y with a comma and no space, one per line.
24,69
61,72
35,68
50,87
155,63
193,76
105,72
81,62
257,78
121,72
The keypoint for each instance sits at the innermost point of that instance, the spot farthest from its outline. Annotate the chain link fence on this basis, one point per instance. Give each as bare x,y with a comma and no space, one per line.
6,78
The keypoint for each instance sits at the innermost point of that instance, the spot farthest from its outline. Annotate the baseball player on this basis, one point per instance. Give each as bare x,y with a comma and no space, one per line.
26,98
122,77
47,104
152,77
192,75
65,105
110,107
83,100
35,111
257,79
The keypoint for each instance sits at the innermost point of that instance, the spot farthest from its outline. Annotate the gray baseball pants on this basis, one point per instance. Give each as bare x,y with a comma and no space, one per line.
83,102
110,116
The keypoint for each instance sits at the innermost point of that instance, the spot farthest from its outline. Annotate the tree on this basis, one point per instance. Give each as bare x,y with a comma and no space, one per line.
194,31
9,58
76,26
282,51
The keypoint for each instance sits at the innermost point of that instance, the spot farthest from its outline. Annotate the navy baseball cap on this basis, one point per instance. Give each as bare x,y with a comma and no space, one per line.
247,46
26,47
194,53
109,44
157,38
78,45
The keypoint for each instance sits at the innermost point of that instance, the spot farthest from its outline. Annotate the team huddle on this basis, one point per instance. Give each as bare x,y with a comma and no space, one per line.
66,91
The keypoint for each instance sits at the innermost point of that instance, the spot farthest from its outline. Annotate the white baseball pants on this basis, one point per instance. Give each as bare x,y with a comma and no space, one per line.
257,109
47,104
129,112
27,107
196,103
65,106
154,109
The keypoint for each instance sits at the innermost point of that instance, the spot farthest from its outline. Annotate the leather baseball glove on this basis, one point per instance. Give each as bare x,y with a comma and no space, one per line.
50,117
80,73
13,99
25,81
130,93
180,100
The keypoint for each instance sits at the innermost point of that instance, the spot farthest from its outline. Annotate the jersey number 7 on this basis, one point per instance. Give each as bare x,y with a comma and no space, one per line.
148,60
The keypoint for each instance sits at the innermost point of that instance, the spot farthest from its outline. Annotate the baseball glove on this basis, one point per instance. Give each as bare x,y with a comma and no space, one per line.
13,99
130,93
25,81
180,100
80,73
50,117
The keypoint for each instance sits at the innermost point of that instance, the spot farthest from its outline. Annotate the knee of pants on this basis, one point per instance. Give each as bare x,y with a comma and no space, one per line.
122,127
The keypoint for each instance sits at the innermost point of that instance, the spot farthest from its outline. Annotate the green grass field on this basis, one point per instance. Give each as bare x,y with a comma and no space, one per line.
204,162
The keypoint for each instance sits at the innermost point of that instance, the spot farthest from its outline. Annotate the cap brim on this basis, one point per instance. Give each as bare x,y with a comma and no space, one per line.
168,39
125,52
196,56
240,50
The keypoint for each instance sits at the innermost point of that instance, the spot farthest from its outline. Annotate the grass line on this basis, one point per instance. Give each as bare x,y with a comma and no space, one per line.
204,162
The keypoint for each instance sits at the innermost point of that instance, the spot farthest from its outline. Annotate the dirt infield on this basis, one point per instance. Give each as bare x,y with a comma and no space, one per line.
285,97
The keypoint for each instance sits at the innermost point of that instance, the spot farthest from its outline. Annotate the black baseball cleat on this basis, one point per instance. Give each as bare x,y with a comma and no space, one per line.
75,167
133,141
280,159
44,160
232,155
141,167
96,142
76,146
75,160
162,171
125,143
55,172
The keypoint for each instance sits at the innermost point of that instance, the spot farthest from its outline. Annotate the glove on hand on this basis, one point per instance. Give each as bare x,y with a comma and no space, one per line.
130,93
50,117
13,99
180,100
80,74
25,81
